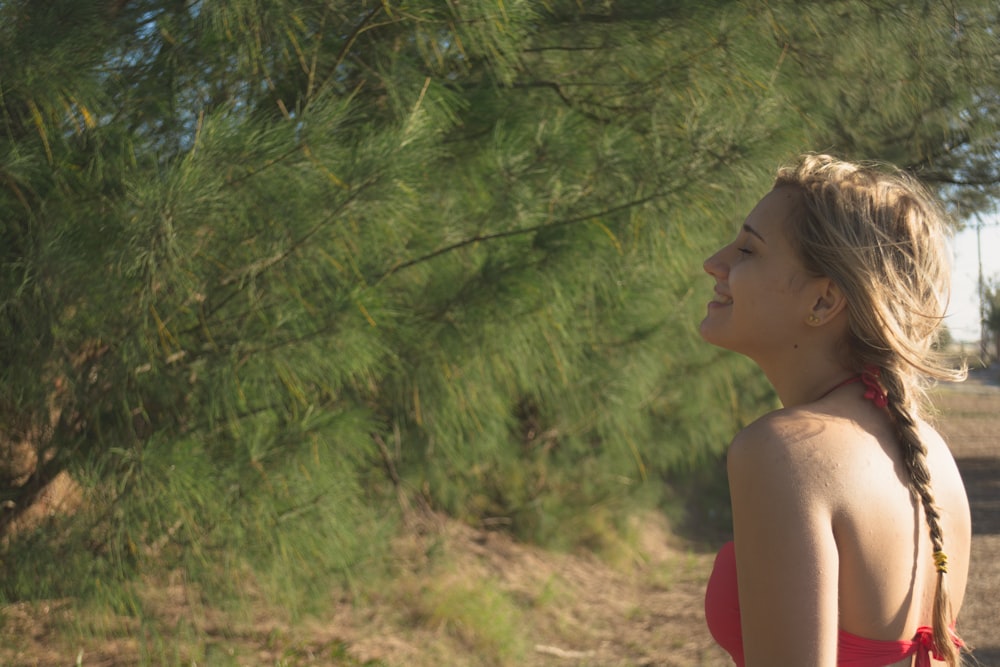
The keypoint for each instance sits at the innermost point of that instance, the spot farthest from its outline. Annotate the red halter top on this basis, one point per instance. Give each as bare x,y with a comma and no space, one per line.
722,614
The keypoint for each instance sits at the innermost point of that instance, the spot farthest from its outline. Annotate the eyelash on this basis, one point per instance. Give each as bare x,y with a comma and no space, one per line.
745,251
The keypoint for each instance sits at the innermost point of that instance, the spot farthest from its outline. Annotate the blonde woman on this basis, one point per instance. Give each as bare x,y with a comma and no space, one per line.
851,523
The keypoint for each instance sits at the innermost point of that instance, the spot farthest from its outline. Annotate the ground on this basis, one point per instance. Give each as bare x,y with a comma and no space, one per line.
970,421
471,597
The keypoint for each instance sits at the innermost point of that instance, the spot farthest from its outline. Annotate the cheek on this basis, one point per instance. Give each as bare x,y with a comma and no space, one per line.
763,293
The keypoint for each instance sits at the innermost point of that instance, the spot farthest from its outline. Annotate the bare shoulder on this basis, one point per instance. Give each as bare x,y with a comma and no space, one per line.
786,553
945,476
791,441
932,438
940,459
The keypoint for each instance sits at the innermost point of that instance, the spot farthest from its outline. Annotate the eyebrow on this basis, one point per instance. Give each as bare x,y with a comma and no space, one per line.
747,228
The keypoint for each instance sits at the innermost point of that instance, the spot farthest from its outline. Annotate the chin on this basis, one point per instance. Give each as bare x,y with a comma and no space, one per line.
705,331
713,336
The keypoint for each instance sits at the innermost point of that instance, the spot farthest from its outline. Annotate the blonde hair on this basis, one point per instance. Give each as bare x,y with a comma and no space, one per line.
879,234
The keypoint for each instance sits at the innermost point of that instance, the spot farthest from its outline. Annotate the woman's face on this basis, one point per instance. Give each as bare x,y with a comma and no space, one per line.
762,300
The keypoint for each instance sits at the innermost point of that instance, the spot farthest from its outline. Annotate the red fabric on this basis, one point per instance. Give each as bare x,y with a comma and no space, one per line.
874,393
722,604
722,614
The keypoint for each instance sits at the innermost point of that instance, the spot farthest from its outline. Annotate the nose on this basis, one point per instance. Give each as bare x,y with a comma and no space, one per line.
715,265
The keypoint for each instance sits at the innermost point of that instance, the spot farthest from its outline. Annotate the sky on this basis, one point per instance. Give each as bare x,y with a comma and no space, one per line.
963,311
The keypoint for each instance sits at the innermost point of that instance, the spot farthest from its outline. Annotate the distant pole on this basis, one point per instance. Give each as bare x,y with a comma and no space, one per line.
982,291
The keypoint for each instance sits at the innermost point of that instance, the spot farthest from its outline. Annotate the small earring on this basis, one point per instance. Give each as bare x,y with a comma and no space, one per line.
812,319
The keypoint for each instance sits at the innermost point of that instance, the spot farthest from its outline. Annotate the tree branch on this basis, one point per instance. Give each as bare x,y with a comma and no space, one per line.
478,238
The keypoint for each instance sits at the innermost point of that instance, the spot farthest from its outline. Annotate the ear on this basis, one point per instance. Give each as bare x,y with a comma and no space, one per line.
829,302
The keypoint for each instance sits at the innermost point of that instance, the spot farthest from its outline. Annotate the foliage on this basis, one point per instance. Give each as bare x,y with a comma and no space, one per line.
270,266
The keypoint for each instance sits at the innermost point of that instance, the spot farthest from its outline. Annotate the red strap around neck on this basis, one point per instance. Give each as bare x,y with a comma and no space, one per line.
874,391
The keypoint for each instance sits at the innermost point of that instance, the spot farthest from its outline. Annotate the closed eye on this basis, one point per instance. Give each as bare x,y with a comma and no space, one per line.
745,251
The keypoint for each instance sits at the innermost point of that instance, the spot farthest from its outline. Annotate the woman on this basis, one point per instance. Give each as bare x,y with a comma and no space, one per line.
851,522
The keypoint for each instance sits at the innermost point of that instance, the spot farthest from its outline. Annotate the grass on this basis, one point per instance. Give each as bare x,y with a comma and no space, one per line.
449,590
478,613
454,596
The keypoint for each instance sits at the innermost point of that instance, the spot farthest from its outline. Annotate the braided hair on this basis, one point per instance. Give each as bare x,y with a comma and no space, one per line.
879,234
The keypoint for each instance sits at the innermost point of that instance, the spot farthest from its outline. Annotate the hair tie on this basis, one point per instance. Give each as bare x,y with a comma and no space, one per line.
874,393
940,561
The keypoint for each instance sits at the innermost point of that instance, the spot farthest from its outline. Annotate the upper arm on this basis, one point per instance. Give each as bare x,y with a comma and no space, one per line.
786,556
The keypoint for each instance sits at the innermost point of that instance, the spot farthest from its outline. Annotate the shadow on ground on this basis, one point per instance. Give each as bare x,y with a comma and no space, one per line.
986,657
982,482
988,375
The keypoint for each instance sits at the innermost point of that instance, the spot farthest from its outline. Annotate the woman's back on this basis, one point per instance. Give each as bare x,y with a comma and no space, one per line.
887,575
831,475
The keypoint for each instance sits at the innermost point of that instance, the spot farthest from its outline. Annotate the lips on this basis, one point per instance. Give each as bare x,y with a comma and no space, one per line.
721,298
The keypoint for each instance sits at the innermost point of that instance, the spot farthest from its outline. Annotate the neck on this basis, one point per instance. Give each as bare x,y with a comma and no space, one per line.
806,379
807,364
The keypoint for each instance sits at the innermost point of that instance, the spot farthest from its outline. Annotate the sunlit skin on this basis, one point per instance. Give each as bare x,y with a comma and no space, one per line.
812,556
763,299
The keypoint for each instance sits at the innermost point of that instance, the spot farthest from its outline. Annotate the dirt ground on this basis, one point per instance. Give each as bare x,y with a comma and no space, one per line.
539,609
970,421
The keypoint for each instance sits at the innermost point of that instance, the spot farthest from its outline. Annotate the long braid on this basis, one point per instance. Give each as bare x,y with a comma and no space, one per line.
901,408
